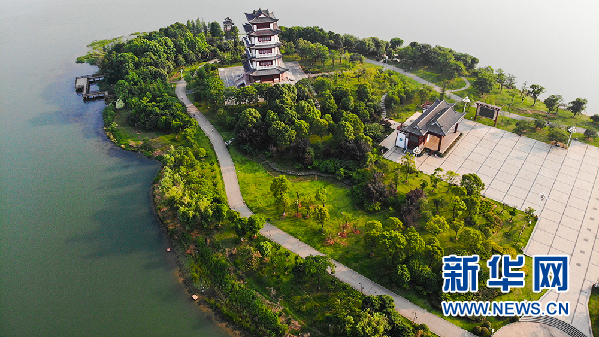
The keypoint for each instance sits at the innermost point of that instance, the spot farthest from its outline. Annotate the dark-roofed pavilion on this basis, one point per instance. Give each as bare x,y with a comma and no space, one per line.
439,120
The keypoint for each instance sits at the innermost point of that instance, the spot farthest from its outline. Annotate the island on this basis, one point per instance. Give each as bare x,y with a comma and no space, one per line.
310,219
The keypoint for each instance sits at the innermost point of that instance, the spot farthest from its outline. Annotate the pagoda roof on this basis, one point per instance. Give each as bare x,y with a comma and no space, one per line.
438,119
271,71
261,15
262,19
264,32
266,58
264,46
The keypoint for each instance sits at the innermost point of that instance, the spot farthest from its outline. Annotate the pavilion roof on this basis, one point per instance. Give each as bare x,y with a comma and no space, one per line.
261,15
264,46
264,32
438,119
271,71
266,58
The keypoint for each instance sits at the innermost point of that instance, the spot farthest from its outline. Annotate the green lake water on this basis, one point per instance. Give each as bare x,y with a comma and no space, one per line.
81,251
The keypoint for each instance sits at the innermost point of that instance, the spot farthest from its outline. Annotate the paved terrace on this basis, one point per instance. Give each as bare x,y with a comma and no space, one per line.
515,171
229,75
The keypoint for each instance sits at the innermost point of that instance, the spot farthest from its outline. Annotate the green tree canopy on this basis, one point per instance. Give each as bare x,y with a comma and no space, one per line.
472,183
535,90
552,102
578,105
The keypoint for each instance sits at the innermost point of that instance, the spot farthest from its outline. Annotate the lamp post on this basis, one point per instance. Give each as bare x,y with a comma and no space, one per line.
571,129
543,197
466,100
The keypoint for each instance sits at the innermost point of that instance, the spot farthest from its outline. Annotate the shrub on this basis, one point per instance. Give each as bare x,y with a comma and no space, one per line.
539,123
590,133
558,135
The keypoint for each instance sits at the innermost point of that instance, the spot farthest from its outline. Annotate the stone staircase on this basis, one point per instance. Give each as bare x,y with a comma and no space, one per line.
384,114
556,323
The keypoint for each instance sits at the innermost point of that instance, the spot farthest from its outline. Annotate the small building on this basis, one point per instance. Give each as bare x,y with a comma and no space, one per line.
228,24
264,61
435,129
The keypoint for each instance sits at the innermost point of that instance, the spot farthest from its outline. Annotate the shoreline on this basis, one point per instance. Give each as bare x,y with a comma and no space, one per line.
176,256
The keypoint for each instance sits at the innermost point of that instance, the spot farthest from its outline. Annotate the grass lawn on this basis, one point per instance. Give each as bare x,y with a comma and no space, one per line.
314,67
436,78
510,100
594,310
131,138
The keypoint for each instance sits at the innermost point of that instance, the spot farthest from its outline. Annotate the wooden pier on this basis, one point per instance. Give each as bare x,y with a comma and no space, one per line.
82,84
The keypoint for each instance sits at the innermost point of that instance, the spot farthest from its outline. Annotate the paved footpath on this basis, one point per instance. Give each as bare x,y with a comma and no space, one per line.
406,308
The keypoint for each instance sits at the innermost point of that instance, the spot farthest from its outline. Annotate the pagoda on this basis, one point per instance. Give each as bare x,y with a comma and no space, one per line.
264,62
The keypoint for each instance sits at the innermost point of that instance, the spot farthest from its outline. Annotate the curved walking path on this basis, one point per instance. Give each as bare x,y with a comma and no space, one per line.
448,93
406,308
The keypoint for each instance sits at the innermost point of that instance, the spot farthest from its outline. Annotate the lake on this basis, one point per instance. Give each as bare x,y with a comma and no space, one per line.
81,252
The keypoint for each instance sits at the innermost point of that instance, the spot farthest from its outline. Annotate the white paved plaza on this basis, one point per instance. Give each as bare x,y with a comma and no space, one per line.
516,170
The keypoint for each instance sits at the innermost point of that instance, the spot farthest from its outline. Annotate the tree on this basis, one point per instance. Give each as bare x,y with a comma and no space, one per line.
215,30
436,177
472,204
321,195
367,324
434,251
456,225
472,183
344,132
254,224
407,165
282,134
316,266
501,78
279,187
590,133
438,203
396,43
436,225
510,81
458,206
558,135
484,81
403,276
320,127
249,119
523,91
302,129
321,214
364,92
552,102
471,239
414,243
451,178
396,224
334,54
535,90
577,106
